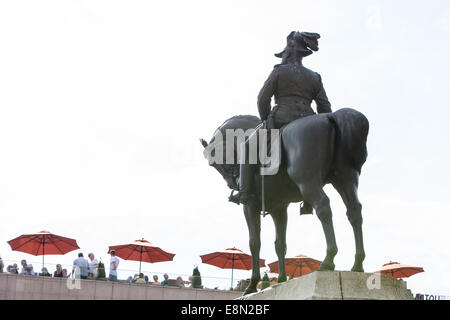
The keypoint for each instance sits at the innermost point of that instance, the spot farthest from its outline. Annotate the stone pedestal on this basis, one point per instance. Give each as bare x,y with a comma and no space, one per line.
336,285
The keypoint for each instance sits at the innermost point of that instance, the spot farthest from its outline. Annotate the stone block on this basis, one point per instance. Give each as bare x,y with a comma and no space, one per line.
173,293
155,292
205,294
121,291
336,285
138,291
103,290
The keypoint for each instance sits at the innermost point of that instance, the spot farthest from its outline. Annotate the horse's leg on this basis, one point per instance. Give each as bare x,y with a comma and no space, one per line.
347,186
253,218
315,195
280,220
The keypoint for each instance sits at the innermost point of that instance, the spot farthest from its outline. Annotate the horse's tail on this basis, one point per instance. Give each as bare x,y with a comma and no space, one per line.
353,128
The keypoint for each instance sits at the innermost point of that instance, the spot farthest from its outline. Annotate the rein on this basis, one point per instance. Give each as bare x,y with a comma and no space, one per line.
264,213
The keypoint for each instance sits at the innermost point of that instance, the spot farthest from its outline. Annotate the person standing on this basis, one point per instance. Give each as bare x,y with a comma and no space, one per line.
45,273
165,282
155,280
14,269
140,279
180,282
59,272
114,264
27,268
83,266
93,266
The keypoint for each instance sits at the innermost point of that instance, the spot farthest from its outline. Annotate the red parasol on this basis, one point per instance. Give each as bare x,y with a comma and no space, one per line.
43,243
231,258
142,251
397,270
298,265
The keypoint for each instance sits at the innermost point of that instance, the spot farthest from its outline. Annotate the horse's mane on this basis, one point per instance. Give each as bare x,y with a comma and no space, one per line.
240,122
243,122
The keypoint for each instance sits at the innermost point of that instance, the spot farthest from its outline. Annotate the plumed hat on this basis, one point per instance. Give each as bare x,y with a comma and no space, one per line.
302,42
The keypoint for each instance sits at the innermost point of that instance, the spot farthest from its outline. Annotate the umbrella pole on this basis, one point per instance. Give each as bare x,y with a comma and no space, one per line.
43,252
140,261
232,270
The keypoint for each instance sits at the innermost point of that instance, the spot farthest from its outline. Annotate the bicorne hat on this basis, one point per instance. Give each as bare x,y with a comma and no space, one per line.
303,43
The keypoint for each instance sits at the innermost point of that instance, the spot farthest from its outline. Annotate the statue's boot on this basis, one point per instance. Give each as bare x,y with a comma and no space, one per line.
306,208
235,198
245,185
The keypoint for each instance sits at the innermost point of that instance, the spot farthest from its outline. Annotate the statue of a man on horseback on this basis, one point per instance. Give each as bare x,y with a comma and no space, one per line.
294,87
317,149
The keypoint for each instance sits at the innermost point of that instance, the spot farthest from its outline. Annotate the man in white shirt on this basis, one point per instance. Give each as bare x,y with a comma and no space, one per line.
93,266
113,266
81,266
27,268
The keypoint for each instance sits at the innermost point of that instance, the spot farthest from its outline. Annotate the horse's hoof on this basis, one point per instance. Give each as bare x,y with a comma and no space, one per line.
357,269
326,266
249,291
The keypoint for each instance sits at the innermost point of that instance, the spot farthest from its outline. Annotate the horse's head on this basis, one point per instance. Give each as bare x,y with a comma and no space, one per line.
215,153
222,153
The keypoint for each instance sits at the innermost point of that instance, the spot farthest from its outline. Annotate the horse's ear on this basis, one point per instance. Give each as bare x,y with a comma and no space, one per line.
204,143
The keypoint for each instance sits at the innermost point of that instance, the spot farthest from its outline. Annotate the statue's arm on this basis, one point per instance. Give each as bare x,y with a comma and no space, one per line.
265,95
323,105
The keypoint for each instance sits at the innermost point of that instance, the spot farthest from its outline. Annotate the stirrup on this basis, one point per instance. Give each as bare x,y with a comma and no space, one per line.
306,208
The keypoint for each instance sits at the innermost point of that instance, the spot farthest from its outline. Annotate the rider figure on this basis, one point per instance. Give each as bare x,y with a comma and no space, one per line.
294,88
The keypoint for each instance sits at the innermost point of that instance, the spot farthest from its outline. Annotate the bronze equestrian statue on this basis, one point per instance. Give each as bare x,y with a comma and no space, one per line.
317,149
294,88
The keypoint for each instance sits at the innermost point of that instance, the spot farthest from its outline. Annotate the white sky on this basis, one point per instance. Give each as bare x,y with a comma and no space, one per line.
102,104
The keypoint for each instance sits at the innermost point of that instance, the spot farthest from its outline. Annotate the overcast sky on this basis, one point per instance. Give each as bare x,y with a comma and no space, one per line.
102,104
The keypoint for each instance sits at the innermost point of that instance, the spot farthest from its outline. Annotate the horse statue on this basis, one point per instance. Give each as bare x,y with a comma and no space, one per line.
316,150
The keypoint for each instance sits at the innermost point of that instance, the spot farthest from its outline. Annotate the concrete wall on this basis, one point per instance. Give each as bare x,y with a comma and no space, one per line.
19,287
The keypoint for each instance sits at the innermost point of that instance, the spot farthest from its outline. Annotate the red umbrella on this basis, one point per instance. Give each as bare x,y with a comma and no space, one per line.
231,258
298,265
141,250
397,270
43,243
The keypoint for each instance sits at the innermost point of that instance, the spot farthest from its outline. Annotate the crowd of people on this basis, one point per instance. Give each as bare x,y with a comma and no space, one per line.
89,269
143,279
80,262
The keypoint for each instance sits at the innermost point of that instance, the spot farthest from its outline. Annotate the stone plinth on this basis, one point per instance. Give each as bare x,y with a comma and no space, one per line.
336,285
